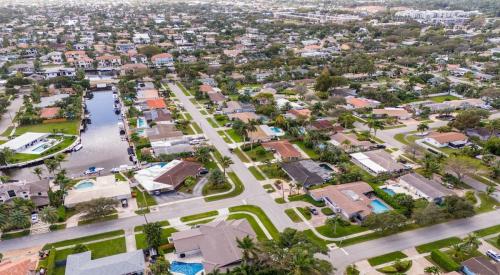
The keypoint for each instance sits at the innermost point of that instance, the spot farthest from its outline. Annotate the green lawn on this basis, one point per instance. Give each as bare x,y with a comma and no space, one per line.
262,217
488,231
8,236
140,239
494,241
487,203
258,153
188,116
428,247
212,123
386,258
273,171
102,219
199,216
308,151
328,231
143,197
7,132
305,212
443,98
119,177
139,228
197,128
67,141
240,155
261,236
315,239
237,138
306,198
239,188
68,127
183,89
200,222
258,175
293,215
84,239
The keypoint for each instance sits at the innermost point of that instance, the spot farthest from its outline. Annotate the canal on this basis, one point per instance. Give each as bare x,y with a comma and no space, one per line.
102,144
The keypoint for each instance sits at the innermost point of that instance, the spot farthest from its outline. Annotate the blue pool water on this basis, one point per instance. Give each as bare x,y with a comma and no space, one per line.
40,148
141,123
378,207
389,191
276,130
84,185
186,268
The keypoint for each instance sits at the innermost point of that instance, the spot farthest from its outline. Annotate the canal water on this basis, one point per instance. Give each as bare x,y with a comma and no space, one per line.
102,144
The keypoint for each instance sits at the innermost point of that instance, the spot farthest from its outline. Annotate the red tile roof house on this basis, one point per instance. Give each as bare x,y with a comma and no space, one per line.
217,98
162,59
299,114
206,89
358,103
49,112
453,139
158,103
109,61
398,113
325,125
285,150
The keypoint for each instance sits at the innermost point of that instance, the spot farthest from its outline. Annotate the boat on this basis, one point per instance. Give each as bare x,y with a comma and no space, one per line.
78,147
93,170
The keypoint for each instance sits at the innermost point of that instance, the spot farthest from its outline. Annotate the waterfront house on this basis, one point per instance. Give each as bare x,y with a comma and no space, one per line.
24,141
36,191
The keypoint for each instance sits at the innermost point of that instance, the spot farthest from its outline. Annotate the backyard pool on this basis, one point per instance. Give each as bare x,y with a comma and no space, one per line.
186,268
84,184
41,148
142,123
389,191
378,206
277,131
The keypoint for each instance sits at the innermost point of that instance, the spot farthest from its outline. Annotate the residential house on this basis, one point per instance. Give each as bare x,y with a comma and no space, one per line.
49,112
324,125
52,72
147,94
158,103
480,265
162,60
237,107
24,141
452,139
163,132
421,187
216,98
377,162
141,38
214,242
283,149
359,102
307,172
107,60
482,133
101,187
133,68
159,116
166,177
298,114
399,113
350,143
129,263
244,116
176,175
36,191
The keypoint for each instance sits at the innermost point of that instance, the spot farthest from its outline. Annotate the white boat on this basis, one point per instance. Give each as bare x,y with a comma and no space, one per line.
93,170
78,147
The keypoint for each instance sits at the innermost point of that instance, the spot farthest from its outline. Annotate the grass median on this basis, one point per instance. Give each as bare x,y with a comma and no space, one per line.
257,211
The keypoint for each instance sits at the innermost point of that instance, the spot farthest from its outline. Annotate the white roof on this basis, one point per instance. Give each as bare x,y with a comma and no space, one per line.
146,177
104,187
22,140
366,161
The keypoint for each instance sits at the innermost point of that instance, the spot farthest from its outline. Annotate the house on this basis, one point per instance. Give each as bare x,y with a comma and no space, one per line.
166,177
214,242
49,112
108,61
101,187
284,149
377,162
421,187
349,142
162,59
452,139
244,116
359,102
141,38
24,141
172,147
298,114
482,133
217,98
18,267
237,107
158,103
52,72
324,125
480,266
354,201
399,113
307,172
133,68
145,94
204,88
258,135
158,115
36,191
163,132
129,263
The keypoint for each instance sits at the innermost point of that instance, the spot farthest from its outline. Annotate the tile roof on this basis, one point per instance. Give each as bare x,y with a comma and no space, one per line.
284,148
447,137
158,103
49,112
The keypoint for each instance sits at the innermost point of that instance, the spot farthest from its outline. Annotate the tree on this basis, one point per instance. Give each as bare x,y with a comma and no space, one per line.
458,251
225,162
469,119
79,248
153,234
346,119
429,215
38,171
18,218
51,165
49,214
160,267
490,190
390,221
6,156
323,82
471,242
434,270
422,127
461,166
458,207
250,251
97,208
216,178
407,202
374,124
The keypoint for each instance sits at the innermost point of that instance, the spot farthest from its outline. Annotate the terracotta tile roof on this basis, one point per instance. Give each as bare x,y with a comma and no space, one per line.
447,137
160,56
284,148
305,113
158,103
23,267
49,112
206,88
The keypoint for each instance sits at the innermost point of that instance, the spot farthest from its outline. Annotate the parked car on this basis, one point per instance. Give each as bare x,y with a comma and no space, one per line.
493,255
313,211
34,218
124,203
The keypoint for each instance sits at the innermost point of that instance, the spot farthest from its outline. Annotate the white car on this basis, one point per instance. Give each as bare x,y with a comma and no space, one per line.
493,255
34,218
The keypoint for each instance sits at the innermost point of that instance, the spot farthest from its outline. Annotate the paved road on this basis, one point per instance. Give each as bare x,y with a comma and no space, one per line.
13,108
351,254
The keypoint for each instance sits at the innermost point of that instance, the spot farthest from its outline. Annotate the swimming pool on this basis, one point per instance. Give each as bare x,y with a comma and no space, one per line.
378,206
389,191
142,123
40,148
186,268
84,185
277,131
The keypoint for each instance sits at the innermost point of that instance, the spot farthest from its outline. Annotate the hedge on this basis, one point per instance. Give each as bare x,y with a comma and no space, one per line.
386,197
51,262
444,261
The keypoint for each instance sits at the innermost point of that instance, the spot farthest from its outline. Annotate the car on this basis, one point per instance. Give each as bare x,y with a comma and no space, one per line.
493,255
34,218
203,171
313,211
124,203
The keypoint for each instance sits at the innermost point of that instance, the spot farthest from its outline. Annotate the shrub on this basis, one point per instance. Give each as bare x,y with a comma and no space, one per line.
61,213
167,248
327,211
444,261
386,197
398,267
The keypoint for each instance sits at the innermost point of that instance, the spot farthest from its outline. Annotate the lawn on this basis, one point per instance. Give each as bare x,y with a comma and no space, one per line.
68,127
293,215
239,188
494,241
386,258
119,177
258,175
306,198
183,89
305,212
210,189
139,228
188,116
59,147
258,153
310,152
84,239
8,236
260,214
488,231
487,203
273,171
315,239
428,247
199,216
443,98
102,219
140,239
261,236
197,128
240,155
234,136
212,123
7,132
328,231
144,199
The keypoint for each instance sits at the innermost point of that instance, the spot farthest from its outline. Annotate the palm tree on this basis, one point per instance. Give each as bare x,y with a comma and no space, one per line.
19,218
38,171
299,186
346,120
225,162
51,165
434,270
458,251
249,248
59,158
281,121
202,154
6,155
472,242
422,127
374,124
49,214
280,183
490,190
291,185
251,126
